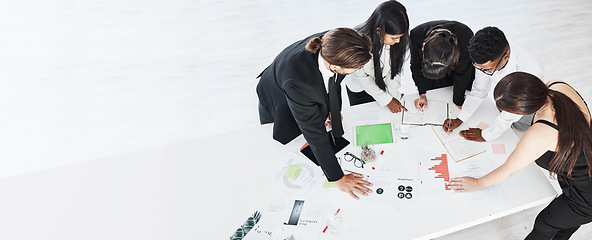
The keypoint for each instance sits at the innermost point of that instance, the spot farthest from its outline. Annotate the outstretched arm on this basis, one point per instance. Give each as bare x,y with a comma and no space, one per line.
533,144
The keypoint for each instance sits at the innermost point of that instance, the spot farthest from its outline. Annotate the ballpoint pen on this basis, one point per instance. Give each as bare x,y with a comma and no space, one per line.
449,121
350,171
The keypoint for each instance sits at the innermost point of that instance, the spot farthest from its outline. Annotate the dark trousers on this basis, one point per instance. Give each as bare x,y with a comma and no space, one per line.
559,220
264,115
356,98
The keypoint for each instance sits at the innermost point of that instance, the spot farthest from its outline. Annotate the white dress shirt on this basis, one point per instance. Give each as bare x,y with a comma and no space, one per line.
363,80
327,74
483,85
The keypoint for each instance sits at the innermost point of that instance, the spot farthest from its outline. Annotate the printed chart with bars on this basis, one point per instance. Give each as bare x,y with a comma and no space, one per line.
433,172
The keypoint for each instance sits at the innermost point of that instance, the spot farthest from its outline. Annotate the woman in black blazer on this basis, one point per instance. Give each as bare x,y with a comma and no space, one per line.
440,58
292,95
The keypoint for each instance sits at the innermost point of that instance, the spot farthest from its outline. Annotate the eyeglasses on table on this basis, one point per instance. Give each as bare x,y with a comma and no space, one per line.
358,162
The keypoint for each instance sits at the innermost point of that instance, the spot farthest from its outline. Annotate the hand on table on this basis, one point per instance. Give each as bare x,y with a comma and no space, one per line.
353,182
473,134
451,124
421,102
395,106
464,184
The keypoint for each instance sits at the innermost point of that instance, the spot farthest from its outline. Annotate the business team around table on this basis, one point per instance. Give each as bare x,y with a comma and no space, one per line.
300,92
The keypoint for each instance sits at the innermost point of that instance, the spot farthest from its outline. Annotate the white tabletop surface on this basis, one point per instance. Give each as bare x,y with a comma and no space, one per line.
205,189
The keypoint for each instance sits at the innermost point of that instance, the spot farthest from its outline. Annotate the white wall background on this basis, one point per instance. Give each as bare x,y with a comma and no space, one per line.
80,80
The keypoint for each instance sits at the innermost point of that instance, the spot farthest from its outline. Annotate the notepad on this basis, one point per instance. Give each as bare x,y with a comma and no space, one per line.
328,184
498,148
435,113
374,134
458,147
293,171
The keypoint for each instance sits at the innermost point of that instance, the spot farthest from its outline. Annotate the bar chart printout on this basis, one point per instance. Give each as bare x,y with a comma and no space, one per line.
434,173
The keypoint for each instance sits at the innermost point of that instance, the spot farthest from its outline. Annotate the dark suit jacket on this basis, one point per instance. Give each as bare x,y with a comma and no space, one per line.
464,72
293,92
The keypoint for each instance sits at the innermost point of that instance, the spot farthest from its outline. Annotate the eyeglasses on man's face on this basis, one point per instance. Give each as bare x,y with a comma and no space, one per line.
490,71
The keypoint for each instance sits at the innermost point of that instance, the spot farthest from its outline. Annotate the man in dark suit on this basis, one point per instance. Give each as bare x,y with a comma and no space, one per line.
293,95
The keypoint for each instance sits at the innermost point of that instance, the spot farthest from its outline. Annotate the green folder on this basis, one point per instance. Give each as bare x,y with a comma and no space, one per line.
374,134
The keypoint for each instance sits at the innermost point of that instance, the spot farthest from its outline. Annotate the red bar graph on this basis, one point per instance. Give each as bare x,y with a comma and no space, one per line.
442,170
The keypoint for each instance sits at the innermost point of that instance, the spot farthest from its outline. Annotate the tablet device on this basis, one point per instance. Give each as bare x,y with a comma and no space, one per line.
337,145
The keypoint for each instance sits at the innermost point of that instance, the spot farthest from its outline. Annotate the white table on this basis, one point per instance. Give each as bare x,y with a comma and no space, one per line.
440,214
206,188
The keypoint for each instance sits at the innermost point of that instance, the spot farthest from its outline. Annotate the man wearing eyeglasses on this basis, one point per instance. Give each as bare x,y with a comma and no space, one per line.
493,57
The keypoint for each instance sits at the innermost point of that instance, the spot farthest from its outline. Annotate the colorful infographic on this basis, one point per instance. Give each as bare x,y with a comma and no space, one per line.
433,172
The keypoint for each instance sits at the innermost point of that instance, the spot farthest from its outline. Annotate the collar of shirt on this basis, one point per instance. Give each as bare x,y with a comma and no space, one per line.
325,72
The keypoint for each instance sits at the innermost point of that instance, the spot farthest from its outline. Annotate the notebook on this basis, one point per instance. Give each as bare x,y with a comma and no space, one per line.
458,147
435,113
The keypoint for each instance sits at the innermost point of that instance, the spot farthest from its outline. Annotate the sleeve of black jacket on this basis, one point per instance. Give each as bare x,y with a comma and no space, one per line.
311,122
464,72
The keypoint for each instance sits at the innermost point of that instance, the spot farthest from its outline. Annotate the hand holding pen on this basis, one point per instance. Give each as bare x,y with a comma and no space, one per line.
421,103
451,124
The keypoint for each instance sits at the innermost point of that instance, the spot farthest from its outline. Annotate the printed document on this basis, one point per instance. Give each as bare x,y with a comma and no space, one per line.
458,147
435,113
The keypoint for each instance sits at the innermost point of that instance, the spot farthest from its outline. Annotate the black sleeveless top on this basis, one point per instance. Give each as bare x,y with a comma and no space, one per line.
580,171
578,189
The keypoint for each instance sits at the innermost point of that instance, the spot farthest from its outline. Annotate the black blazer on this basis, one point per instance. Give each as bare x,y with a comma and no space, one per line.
464,72
292,91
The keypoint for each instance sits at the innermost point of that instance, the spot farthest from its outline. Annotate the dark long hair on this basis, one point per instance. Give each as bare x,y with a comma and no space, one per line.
391,17
524,94
343,47
440,53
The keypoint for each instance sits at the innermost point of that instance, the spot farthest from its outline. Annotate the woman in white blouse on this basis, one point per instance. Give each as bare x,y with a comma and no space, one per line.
379,80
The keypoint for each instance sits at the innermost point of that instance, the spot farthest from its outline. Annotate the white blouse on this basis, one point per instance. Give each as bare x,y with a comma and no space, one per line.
363,80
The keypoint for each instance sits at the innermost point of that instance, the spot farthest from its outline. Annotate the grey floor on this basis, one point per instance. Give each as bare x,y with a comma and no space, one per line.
82,80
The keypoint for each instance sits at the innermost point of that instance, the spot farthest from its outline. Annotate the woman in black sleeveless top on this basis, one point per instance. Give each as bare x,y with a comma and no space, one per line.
560,140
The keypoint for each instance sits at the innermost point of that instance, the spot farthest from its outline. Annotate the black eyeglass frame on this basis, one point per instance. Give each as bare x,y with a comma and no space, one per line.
358,162
495,68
